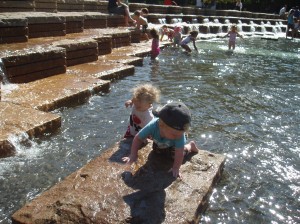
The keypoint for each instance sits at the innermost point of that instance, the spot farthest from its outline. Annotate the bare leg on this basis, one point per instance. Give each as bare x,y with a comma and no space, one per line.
191,147
187,48
128,17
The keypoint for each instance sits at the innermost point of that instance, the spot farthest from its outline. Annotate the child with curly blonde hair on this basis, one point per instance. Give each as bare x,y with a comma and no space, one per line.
143,97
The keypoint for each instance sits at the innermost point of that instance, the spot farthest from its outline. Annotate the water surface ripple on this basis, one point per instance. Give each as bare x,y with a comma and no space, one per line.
244,105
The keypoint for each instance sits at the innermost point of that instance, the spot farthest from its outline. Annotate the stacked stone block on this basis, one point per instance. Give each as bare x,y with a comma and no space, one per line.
104,44
16,5
46,5
45,25
33,64
70,5
79,51
154,18
93,20
188,11
95,6
120,38
13,30
74,22
137,6
115,20
174,10
161,9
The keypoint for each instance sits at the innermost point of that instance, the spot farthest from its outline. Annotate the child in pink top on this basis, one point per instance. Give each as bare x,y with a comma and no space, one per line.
232,37
155,44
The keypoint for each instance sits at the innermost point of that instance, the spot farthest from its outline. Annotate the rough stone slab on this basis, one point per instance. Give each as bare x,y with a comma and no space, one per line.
34,63
103,191
17,4
44,18
105,71
12,22
16,120
56,91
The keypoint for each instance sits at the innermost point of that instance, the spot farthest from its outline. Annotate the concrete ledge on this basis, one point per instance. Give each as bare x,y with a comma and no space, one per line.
103,191
17,119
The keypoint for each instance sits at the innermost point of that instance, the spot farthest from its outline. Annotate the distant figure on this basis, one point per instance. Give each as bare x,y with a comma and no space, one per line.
141,21
155,50
177,36
117,7
296,27
169,2
238,5
199,4
297,12
290,22
141,114
282,12
168,32
190,38
232,34
213,4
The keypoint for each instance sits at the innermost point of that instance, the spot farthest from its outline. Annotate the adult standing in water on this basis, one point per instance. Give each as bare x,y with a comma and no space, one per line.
117,7
239,5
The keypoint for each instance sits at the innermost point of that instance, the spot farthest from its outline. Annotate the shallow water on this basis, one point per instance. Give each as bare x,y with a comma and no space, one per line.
244,104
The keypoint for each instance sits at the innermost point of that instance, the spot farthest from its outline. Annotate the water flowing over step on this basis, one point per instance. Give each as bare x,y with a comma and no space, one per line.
67,56
19,119
73,87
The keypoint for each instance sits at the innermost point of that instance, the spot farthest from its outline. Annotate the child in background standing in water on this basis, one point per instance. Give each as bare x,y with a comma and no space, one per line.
168,134
143,98
177,36
167,31
155,44
190,38
232,37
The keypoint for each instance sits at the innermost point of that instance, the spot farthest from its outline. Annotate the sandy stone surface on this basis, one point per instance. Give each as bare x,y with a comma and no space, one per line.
108,191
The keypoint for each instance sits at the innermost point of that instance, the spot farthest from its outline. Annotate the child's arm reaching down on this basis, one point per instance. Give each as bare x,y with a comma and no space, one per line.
136,145
177,163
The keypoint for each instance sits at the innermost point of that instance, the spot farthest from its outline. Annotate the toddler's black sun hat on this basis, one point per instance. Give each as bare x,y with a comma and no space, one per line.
176,115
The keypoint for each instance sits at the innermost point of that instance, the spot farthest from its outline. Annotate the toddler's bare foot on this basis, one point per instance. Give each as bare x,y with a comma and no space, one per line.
191,147
194,147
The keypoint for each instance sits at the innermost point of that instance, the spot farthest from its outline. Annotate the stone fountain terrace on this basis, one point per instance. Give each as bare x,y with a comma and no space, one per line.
59,53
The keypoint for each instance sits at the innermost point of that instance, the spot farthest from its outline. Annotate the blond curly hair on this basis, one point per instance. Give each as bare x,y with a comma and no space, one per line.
147,93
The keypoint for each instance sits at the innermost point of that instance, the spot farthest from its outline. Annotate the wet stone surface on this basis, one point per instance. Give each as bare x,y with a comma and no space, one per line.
108,191
16,120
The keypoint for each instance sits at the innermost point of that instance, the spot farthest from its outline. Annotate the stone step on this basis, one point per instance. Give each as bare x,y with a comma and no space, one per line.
19,26
71,88
103,191
43,57
17,120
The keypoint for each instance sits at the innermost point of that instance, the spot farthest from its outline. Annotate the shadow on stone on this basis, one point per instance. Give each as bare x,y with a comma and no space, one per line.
149,177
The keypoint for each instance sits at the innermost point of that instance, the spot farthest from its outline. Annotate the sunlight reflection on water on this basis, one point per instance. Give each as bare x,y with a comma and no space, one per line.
244,104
